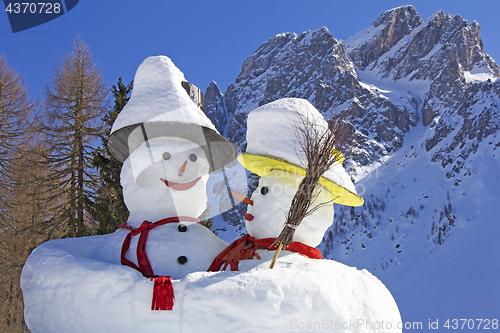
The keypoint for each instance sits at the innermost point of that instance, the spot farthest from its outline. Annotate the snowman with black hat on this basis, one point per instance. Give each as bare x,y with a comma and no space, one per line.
168,148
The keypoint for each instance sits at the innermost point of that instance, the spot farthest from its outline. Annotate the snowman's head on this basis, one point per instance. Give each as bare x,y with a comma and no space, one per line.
272,199
165,177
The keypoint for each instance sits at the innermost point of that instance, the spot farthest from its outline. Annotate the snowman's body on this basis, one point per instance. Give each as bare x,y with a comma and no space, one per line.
79,285
168,147
299,293
62,277
174,249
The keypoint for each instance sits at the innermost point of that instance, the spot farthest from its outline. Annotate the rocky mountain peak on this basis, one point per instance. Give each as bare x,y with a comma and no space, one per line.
308,65
400,49
443,55
212,90
260,61
365,47
261,58
403,15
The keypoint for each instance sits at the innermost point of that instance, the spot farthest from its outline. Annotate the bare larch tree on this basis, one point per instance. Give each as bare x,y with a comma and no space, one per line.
75,103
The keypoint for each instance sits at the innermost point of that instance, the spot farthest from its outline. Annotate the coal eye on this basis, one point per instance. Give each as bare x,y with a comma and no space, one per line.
166,156
193,157
264,190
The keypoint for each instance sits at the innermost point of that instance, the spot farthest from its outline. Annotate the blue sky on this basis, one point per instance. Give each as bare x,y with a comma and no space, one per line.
207,40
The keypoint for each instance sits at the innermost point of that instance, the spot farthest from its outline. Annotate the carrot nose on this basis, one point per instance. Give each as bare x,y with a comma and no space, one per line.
183,168
242,198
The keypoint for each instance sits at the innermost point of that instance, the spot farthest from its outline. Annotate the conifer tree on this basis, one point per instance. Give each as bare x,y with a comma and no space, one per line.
15,111
107,209
16,117
75,103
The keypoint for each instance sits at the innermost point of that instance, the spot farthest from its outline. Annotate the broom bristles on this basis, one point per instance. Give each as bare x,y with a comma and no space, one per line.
322,148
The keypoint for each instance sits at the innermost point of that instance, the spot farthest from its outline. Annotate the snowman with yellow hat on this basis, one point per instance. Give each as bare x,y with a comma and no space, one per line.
302,291
274,152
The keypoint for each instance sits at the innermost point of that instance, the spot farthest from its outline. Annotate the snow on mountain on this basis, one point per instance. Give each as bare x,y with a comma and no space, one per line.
423,99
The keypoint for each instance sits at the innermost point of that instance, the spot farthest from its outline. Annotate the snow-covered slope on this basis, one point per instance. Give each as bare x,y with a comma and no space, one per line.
428,237
424,100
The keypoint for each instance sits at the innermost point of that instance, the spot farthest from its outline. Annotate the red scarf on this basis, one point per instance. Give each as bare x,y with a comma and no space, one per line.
245,247
163,292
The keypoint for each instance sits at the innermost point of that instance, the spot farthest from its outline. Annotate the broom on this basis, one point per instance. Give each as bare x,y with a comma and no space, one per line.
322,148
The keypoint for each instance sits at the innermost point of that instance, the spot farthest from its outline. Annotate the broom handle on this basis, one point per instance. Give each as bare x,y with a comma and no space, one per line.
280,246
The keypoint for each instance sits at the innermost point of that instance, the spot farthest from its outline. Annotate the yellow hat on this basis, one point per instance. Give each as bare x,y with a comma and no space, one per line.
272,144
264,164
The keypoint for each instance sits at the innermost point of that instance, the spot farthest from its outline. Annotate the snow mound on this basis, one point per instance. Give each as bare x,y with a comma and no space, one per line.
76,286
298,294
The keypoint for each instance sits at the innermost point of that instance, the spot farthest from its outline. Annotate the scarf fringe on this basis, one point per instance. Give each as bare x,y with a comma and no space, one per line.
163,293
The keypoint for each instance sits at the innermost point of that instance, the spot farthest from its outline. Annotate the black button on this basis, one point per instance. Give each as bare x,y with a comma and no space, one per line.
182,260
182,228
